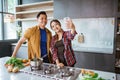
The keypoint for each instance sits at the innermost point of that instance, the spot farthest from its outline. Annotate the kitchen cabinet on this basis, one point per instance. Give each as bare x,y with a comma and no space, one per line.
117,39
29,11
84,8
5,49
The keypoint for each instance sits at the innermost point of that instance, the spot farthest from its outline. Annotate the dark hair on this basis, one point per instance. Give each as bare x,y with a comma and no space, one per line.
41,12
55,20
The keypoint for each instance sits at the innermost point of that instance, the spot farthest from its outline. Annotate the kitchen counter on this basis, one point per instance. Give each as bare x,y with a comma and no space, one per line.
5,75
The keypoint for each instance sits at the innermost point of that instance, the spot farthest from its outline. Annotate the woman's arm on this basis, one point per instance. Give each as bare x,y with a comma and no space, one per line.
71,34
72,28
23,39
59,64
70,25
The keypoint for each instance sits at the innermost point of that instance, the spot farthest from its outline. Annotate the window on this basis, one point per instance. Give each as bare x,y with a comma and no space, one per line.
7,17
0,26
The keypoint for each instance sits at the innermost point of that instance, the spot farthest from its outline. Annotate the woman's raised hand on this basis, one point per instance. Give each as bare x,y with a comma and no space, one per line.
68,23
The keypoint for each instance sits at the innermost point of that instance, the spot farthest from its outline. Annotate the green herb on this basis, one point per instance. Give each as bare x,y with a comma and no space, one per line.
16,62
89,77
95,75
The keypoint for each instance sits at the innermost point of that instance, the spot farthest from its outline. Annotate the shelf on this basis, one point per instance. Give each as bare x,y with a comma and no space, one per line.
28,12
33,11
118,33
117,66
30,19
118,49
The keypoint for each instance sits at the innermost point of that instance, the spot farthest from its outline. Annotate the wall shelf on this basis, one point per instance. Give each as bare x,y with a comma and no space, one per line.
29,11
29,19
118,33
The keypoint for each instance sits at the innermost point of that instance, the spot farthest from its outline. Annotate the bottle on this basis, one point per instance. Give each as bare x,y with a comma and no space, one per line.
81,38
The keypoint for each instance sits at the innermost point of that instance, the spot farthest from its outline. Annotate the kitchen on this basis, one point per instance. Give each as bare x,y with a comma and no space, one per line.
97,51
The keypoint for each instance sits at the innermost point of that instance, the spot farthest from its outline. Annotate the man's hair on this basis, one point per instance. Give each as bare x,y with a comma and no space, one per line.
41,12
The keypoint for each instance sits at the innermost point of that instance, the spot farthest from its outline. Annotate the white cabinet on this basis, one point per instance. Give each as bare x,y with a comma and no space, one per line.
29,11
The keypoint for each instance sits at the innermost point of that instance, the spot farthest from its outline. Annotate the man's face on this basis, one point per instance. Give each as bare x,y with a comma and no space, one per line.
42,20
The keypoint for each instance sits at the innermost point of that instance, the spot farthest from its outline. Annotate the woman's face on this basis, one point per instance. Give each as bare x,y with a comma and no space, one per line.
55,27
42,20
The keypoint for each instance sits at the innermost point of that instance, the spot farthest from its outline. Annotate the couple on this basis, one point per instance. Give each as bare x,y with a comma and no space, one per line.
56,49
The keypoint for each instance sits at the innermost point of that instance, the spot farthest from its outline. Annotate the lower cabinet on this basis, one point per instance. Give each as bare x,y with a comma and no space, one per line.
5,49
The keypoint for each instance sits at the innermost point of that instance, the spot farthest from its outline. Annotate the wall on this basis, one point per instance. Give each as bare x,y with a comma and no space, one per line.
89,9
85,58
85,9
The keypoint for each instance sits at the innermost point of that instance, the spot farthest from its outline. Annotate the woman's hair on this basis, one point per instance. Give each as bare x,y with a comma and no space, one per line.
55,20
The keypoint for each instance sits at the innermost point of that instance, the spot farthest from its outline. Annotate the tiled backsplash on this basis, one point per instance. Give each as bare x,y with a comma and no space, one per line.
98,33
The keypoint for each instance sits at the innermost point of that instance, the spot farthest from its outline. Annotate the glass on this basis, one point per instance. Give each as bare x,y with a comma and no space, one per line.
0,5
1,27
66,19
67,22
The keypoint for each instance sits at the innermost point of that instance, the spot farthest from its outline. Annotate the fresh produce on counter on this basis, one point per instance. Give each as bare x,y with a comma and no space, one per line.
15,64
90,75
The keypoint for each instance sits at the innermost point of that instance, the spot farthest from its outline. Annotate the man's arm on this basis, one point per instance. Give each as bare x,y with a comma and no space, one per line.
20,42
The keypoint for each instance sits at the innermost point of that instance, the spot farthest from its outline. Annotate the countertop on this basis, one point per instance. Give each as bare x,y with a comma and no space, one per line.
5,75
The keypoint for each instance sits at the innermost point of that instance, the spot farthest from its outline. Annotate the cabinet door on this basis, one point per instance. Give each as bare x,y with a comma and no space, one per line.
60,8
74,8
84,8
5,49
105,8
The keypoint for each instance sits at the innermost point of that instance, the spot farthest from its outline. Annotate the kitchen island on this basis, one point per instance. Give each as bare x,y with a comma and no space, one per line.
24,74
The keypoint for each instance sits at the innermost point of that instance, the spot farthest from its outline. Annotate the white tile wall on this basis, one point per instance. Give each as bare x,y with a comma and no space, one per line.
98,33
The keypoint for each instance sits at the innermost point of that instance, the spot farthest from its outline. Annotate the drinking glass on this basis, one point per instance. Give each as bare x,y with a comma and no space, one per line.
67,22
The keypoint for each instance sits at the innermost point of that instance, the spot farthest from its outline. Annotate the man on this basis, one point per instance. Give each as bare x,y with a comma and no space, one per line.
39,38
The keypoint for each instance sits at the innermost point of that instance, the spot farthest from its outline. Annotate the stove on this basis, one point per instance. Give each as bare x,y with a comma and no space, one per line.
53,72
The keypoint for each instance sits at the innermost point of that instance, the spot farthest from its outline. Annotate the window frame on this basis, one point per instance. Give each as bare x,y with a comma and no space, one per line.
2,23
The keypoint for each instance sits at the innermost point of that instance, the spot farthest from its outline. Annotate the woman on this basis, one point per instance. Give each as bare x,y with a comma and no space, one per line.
61,48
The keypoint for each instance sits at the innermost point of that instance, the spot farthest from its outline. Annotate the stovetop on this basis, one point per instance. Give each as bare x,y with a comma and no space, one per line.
52,71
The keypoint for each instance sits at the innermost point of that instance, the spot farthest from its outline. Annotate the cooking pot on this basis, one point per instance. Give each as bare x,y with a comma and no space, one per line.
36,63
